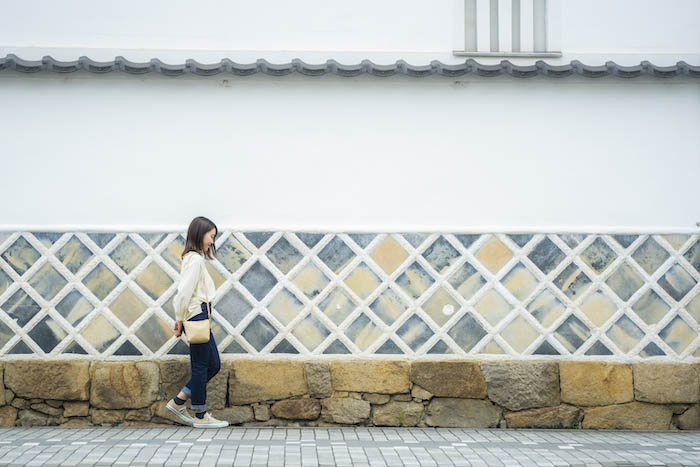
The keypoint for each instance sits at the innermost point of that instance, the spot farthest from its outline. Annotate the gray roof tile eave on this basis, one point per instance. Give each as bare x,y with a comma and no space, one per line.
470,66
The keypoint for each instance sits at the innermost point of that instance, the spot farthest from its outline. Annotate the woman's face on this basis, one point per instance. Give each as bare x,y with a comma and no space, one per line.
208,240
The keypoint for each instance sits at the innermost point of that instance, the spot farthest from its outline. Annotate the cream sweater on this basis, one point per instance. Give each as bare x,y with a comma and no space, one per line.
194,287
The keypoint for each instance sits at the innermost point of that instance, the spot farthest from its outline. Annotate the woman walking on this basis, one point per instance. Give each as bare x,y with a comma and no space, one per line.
192,303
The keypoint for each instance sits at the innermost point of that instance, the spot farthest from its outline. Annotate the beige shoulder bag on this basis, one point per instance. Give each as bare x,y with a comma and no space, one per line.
198,331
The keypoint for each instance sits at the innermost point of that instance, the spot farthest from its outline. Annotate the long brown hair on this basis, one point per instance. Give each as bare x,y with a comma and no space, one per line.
195,235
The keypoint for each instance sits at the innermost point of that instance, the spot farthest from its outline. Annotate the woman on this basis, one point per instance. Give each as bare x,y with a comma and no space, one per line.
192,302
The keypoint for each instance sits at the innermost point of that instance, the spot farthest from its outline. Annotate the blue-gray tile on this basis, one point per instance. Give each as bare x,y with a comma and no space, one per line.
572,333
5,281
258,280
234,347
285,347
127,349
21,307
127,255
76,349
388,348
414,332
651,350
572,240
101,239
363,332
625,240
259,333
20,348
283,255
336,348
650,255
467,239
154,281
545,348
693,255
651,307
47,281
47,333
172,254
440,348
336,254
153,239
441,254
415,239
678,334
232,254
47,238
415,280
337,305
572,281
520,239
625,281
6,333
625,334
74,254
598,255
154,332
310,331
362,239
20,255
101,281
466,280
598,348
677,282
467,332
258,238
309,239
388,306
546,255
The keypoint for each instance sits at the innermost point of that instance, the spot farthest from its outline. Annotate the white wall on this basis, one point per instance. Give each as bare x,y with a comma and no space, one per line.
299,151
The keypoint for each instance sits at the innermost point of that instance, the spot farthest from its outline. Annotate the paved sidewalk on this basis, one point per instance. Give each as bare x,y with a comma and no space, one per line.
343,446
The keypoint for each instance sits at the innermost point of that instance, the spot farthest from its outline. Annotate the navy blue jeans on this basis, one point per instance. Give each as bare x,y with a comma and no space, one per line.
205,364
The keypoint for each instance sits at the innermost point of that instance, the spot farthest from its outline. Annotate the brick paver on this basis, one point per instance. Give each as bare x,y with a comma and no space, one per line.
54,446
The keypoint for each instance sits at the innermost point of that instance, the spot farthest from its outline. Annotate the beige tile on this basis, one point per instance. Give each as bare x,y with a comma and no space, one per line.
494,254
389,254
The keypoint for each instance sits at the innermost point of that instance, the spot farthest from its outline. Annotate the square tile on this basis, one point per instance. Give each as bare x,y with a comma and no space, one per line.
572,333
466,332
6,333
625,281
258,238
572,281
214,273
337,305
572,240
546,308
520,281
127,307
678,334
127,255
440,306
362,239
493,307
101,239
101,281
519,334
100,333
285,347
336,254
520,239
598,307
466,280
625,334
47,281
650,255
693,308
598,255
389,255
285,306
21,307
47,238
311,281
651,350
309,239
363,281
493,254
389,347
415,280
693,255
388,306
625,240
20,255
363,332
232,254
259,333
441,254
153,239
310,332
154,332
414,238
47,333
546,255
74,254
414,332
283,255
5,281
172,254
492,348
440,348
154,281
74,307
258,280
336,348
651,307
467,239
232,306
677,282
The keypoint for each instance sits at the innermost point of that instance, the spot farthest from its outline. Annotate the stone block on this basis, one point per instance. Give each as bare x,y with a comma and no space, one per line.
262,412
8,416
64,380
76,409
47,409
124,385
631,416
518,385
377,376
32,418
690,419
666,383
377,399
560,417
462,413
345,411
259,380
99,416
419,393
318,379
297,409
450,379
595,383
235,415
398,414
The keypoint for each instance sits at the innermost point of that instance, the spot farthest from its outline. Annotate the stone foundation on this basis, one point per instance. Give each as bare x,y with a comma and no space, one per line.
454,393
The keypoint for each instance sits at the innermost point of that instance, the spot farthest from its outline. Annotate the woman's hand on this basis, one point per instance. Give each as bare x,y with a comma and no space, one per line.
178,328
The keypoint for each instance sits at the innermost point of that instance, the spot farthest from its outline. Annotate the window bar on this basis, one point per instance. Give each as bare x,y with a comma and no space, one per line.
505,25
493,25
470,26
540,24
483,34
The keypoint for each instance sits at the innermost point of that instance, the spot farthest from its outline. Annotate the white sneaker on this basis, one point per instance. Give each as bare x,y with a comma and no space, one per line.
208,422
180,411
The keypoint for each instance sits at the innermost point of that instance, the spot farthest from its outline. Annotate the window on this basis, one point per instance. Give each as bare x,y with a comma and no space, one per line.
504,28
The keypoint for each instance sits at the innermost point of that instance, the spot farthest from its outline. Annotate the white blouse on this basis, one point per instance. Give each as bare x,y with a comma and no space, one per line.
194,287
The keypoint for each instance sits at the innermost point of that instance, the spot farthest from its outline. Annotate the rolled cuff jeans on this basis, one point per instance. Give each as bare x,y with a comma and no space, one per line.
205,364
